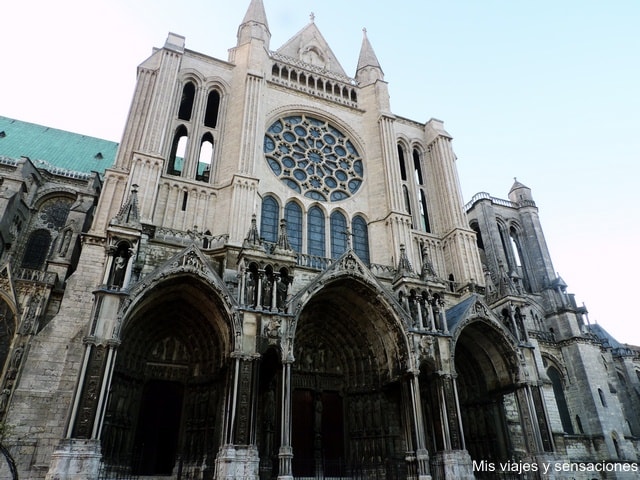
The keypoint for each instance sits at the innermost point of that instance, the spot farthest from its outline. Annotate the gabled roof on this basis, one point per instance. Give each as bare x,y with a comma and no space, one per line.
50,147
309,46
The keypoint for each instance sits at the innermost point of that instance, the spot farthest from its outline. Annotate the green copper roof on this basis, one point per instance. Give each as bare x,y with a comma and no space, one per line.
56,148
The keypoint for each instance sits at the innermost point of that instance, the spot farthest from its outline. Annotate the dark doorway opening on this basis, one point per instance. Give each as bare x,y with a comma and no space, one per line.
318,433
158,428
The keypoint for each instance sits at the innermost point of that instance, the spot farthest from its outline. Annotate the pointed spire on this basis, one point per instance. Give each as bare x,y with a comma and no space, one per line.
368,70
428,272
404,266
128,214
254,24
252,239
283,244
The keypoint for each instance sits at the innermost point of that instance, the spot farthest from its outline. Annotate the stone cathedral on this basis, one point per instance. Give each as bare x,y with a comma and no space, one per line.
272,276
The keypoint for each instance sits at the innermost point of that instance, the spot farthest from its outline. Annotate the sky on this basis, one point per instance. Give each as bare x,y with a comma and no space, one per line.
544,91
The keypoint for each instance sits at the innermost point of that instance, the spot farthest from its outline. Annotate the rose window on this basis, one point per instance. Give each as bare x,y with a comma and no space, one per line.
313,158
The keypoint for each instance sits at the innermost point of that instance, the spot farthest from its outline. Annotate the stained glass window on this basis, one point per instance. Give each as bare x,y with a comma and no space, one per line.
315,232
293,215
269,220
338,234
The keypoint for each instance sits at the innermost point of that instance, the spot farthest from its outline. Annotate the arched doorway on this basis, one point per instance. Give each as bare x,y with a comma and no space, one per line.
168,386
347,397
486,363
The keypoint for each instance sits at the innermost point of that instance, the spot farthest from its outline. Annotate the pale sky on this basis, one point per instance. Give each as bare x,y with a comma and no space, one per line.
545,91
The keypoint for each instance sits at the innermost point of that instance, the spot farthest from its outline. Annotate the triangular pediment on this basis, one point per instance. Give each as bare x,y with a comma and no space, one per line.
309,47
349,265
469,310
192,261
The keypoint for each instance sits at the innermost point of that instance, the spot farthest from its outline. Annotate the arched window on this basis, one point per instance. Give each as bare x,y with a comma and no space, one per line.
360,238
186,101
506,247
37,249
561,401
205,158
178,151
403,167
603,400
315,232
269,220
407,200
616,445
417,169
515,246
211,113
293,216
476,228
338,234
424,214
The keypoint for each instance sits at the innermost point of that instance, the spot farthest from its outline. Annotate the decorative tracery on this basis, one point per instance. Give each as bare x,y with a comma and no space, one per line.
313,158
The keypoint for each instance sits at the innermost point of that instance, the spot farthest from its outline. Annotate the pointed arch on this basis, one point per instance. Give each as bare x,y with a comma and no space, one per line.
178,151
316,232
293,216
269,219
37,249
185,108
488,375
212,109
360,231
348,337
205,158
176,337
557,383
338,225
402,163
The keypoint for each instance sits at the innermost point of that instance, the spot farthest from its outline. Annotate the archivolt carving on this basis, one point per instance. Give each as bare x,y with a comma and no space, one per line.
191,262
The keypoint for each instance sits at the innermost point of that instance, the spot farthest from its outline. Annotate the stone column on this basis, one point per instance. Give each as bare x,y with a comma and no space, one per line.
532,437
285,455
78,454
453,462
238,457
417,418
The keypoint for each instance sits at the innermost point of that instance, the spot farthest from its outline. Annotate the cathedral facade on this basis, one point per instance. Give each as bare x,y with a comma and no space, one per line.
274,276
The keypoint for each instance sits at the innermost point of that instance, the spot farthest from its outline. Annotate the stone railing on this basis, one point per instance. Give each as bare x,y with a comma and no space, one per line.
29,275
497,201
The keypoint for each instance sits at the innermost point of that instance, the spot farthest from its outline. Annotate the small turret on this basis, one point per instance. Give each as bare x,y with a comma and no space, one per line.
520,194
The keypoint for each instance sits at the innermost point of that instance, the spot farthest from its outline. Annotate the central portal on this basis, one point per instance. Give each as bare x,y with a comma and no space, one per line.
346,400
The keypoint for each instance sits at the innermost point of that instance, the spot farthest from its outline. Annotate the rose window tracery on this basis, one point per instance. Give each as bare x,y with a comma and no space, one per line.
314,158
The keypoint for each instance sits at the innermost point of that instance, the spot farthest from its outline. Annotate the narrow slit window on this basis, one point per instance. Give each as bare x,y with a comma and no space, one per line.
185,198
403,168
